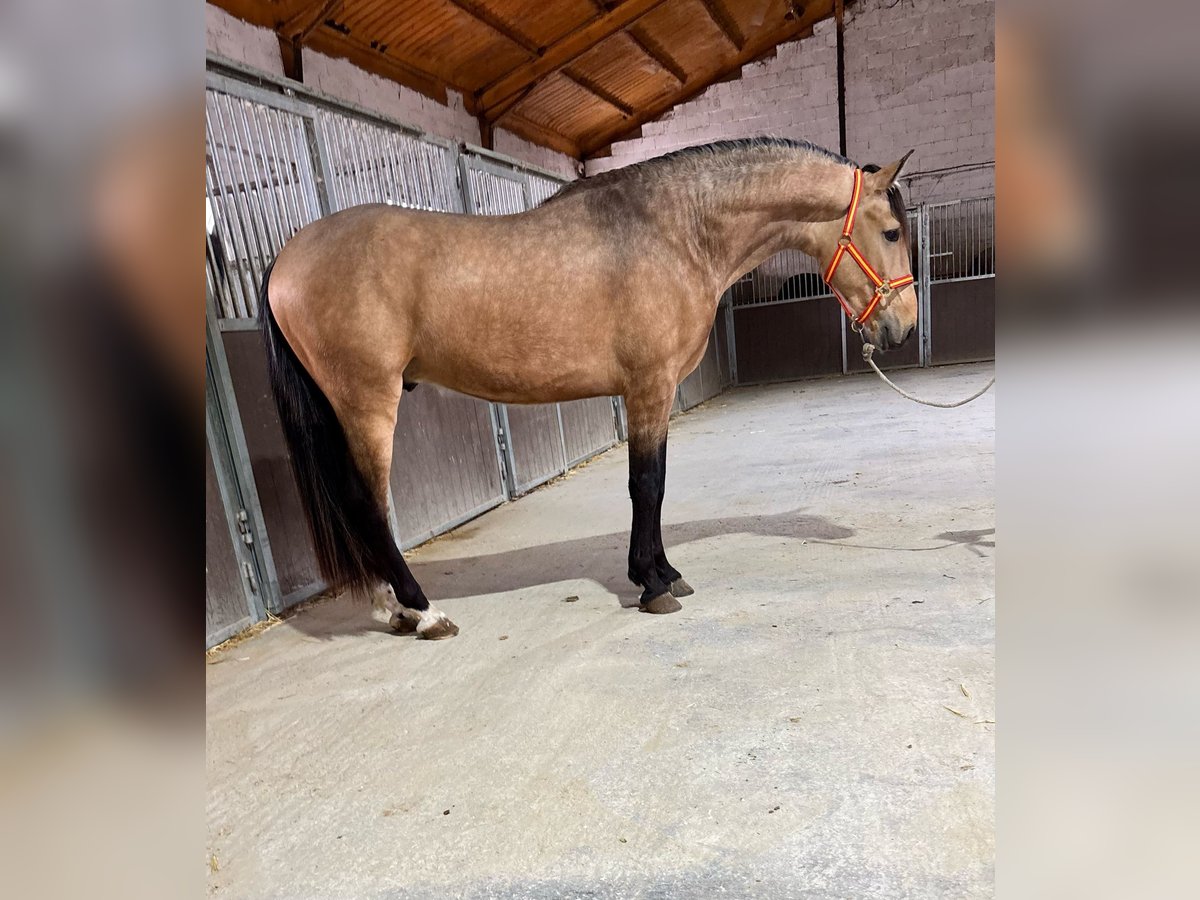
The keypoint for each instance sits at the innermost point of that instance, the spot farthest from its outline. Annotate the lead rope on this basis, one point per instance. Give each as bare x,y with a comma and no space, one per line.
869,350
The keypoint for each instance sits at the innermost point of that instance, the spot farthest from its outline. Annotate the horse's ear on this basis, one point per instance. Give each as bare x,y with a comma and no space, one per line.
885,177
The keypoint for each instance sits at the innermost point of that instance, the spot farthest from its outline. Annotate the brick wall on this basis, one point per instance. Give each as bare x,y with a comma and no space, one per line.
794,94
258,48
919,75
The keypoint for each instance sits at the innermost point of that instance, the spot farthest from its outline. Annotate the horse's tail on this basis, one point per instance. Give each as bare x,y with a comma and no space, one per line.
349,528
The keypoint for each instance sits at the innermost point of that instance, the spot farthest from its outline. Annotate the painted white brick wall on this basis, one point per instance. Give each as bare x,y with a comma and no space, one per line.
258,47
919,75
794,95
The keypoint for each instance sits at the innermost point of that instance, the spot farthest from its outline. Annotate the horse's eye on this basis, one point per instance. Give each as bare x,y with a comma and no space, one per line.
893,235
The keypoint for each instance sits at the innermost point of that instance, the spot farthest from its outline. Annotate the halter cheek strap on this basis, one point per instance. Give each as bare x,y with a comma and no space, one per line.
884,289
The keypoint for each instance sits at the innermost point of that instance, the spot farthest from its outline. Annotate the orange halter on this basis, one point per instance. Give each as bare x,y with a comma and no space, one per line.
884,289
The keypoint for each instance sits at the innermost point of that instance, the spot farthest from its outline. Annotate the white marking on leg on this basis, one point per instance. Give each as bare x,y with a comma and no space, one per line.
429,618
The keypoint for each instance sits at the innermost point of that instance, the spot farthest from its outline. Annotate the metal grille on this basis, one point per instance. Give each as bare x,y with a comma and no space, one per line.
495,195
961,247
369,163
961,244
785,277
542,189
260,189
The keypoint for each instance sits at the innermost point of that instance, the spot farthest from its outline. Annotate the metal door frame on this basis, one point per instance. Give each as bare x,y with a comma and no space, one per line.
235,476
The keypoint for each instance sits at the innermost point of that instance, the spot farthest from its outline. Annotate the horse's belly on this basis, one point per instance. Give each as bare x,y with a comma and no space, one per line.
516,378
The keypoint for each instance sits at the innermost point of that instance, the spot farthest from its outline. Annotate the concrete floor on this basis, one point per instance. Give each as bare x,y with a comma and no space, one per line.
816,722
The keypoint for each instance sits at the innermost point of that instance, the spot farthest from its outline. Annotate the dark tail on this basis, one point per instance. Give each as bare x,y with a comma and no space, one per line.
349,530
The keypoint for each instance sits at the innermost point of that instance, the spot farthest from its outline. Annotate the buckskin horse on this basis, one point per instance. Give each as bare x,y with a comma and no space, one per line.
610,287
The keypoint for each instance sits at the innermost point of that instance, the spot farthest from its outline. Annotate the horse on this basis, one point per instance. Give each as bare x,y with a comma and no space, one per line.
608,288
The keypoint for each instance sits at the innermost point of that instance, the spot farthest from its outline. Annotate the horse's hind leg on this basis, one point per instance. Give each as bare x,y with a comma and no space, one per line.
371,446
648,409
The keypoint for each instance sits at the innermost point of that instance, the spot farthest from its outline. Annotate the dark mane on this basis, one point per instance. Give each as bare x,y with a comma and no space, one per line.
685,160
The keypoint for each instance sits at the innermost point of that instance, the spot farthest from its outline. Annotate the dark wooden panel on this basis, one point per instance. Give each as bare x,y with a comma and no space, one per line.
536,443
783,341
224,595
444,465
962,321
588,426
295,564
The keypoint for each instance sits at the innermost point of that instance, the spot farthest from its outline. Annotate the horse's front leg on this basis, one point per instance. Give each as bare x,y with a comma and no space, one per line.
648,408
667,572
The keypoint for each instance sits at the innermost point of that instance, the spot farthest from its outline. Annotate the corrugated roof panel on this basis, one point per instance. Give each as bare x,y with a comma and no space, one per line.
540,21
684,28
561,105
436,36
624,70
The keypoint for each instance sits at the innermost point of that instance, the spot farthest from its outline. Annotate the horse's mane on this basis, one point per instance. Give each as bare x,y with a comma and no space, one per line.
730,153
688,160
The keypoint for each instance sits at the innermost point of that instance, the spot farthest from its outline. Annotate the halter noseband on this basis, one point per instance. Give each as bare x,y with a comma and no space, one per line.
884,289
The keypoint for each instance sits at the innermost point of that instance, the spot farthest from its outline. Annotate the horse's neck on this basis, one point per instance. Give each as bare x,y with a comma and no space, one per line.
754,212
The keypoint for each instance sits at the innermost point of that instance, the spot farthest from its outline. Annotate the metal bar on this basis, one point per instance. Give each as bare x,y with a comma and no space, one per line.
318,162
777,302
230,503
245,157
286,93
229,296
731,342
277,201
926,282
239,324
840,30
499,444
490,157
291,214
507,448
562,437
963,278
845,348
230,204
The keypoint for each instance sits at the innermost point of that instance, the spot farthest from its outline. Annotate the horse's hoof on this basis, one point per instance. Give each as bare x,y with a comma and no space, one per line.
680,588
438,630
402,625
662,604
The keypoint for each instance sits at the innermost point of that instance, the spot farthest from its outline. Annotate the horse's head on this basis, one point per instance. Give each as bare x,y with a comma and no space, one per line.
867,261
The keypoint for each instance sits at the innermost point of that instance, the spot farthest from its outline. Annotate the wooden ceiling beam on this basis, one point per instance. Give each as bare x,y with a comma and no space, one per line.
334,43
293,32
656,54
531,131
725,22
598,91
790,30
482,14
492,99
307,20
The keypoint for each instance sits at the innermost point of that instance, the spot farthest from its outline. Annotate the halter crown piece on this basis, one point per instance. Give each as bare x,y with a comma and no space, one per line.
884,289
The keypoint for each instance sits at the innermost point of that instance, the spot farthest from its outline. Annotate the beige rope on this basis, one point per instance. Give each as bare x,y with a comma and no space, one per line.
869,350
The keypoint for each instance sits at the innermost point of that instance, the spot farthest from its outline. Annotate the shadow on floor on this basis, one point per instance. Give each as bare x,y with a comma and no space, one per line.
601,558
